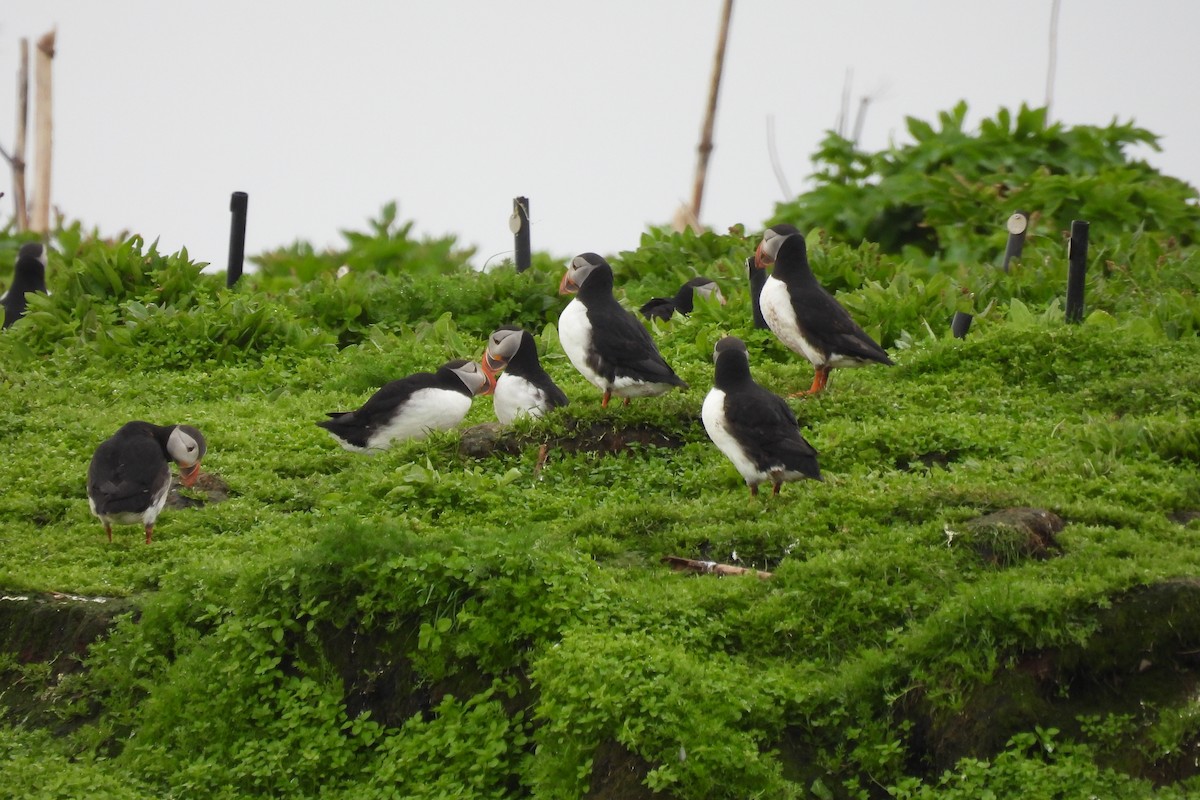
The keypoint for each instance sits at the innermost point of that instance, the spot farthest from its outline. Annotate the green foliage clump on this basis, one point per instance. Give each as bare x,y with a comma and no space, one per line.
947,193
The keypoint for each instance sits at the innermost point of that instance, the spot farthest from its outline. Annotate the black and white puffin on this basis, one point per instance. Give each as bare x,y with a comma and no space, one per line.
606,342
29,275
752,426
759,273
524,388
684,300
409,408
129,476
807,318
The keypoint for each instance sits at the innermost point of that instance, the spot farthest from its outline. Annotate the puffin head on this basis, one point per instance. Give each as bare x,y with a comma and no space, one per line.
578,270
469,373
186,447
501,347
706,288
772,238
732,345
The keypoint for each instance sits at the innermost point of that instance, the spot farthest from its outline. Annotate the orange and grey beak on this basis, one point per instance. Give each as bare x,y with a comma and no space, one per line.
567,286
490,366
189,475
760,261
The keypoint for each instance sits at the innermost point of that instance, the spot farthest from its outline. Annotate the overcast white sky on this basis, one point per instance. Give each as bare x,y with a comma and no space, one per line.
325,112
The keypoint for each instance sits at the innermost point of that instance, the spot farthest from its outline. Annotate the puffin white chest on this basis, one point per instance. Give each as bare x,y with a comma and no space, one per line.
713,415
515,396
575,336
426,410
777,310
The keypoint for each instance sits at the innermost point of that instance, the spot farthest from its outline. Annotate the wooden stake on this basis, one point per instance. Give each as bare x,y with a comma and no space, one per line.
711,567
18,162
518,223
1077,253
706,144
43,132
238,204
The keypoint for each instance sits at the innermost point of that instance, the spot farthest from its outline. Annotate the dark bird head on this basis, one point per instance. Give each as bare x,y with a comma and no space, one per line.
700,286
468,372
502,345
583,267
765,257
732,360
789,254
186,447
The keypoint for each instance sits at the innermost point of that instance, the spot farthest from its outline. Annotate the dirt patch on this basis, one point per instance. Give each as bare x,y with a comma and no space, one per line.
1014,535
209,488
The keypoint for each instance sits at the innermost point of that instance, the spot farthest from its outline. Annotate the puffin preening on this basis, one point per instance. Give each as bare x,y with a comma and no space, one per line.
524,388
684,300
129,476
752,426
606,342
29,275
409,408
807,318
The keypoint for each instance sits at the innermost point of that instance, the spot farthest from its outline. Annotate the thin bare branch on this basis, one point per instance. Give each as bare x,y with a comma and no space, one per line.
773,152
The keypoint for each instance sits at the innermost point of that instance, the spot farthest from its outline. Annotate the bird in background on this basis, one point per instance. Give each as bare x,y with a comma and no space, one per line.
753,427
29,275
684,300
605,341
807,318
759,273
129,475
524,387
409,408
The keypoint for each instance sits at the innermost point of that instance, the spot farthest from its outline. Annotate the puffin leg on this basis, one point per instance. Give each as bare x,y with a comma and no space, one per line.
604,402
149,532
626,401
775,491
108,530
754,490
820,379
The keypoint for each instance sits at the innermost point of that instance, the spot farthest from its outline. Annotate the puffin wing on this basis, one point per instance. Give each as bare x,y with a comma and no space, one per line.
768,429
122,475
623,346
824,320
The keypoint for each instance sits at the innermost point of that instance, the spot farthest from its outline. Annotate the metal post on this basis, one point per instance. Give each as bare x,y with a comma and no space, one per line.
1017,225
1077,252
518,223
961,324
237,237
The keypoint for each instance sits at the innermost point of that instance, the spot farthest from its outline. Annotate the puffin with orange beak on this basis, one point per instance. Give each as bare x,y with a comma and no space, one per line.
129,476
807,318
605,341
524,388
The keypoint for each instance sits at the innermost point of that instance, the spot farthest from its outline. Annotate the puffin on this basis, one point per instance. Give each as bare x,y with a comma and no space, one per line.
665,307
604,341
129,476
805,317
524,388
759,274
752,426
29,275
409,408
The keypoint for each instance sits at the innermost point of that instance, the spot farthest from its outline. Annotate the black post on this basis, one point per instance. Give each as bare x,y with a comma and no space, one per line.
518,223
237,237
1017,225
758,278
1077,252
961,324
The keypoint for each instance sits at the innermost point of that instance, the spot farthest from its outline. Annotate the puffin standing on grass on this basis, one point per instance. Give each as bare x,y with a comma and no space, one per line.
684,300
29,275
607,343
524,388
753,427
129,476
409,408
807,318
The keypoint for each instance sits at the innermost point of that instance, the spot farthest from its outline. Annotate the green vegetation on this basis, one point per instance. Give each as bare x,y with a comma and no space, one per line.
422,623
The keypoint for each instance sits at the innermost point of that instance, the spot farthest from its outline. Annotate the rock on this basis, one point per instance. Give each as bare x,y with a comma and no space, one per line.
488,438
